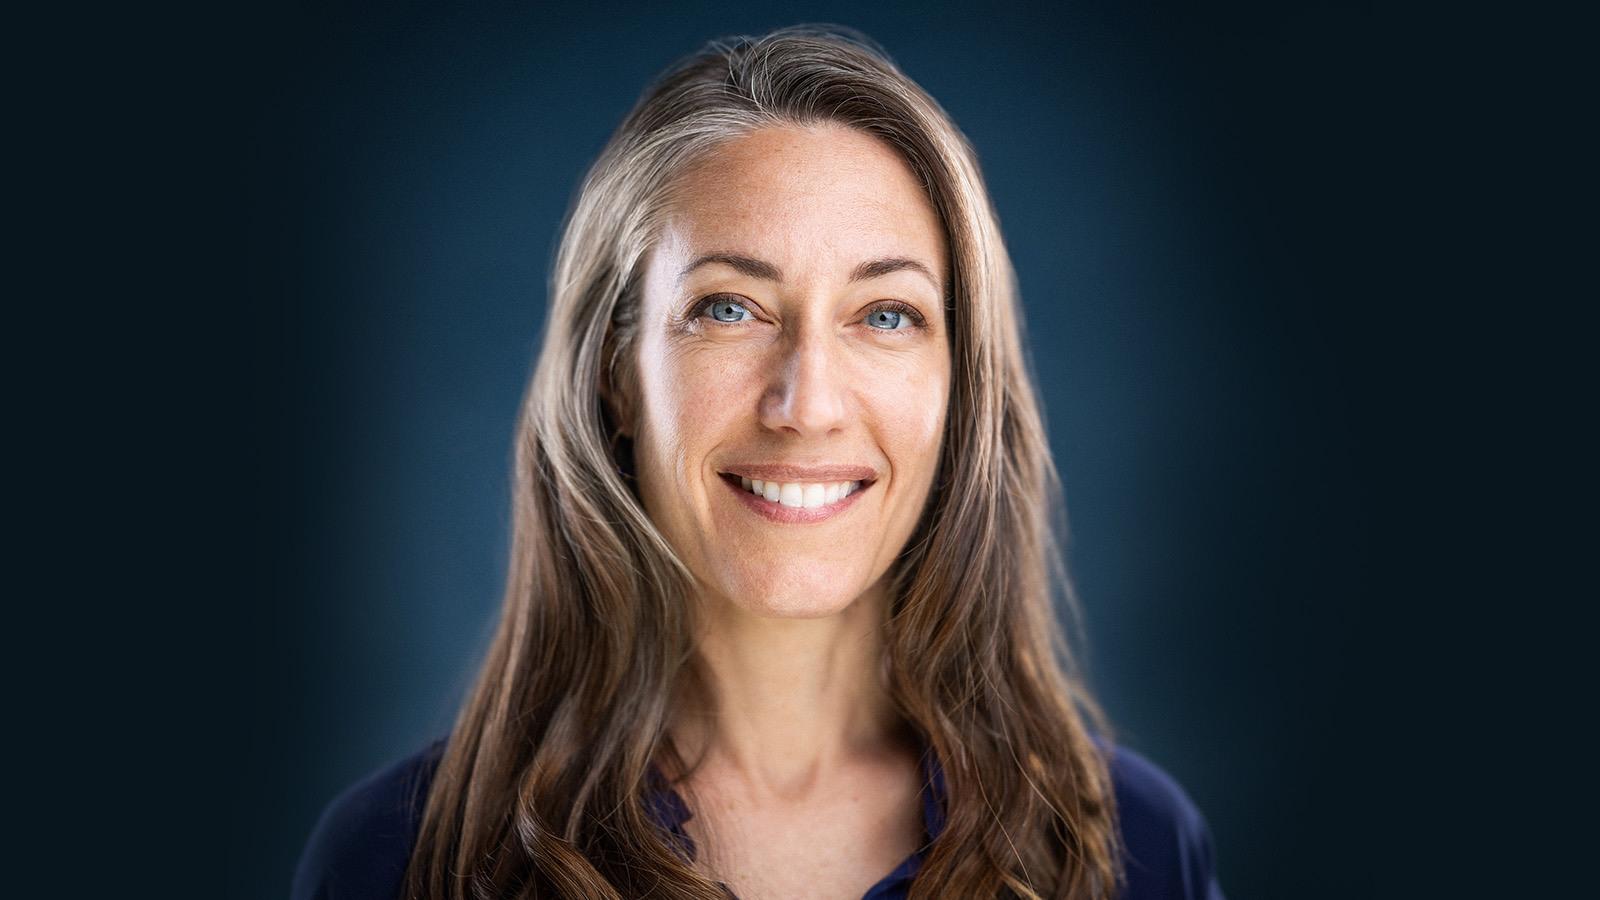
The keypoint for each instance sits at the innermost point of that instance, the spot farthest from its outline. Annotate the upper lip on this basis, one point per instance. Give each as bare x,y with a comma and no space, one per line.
789,473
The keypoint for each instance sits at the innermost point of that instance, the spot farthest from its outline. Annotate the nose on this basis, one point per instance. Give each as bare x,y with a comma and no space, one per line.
806,394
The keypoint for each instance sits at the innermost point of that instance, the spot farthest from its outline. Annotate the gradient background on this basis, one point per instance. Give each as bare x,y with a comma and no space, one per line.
1185,195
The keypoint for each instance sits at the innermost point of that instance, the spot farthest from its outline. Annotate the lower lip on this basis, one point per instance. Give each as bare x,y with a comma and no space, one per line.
791,515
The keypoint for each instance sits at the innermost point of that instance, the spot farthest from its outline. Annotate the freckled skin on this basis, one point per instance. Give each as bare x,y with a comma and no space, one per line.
803,378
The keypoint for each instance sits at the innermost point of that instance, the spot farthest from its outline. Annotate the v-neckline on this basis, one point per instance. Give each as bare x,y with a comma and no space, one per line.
668,809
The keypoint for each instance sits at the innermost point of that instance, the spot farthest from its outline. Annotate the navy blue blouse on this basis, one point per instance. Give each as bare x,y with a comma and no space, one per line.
361,844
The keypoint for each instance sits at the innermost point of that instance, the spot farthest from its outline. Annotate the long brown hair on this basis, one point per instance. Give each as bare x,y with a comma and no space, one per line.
541,791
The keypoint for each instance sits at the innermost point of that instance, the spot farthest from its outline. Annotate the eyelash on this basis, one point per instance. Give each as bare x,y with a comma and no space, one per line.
905,309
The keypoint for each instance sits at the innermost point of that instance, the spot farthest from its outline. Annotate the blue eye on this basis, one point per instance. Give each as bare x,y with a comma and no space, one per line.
884,319
893,316
727,311
890,316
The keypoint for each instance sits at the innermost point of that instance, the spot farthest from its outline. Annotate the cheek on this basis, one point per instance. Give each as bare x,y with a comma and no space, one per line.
701,387
689,397
911,409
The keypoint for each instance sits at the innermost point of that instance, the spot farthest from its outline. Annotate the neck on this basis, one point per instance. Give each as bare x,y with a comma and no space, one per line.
782,703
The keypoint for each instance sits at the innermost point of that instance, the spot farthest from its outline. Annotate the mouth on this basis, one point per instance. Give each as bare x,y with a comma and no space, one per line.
796,502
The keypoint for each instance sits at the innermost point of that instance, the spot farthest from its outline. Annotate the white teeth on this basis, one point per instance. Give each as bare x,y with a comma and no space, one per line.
808,495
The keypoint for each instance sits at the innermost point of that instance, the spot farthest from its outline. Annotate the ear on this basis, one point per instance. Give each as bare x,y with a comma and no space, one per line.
618,400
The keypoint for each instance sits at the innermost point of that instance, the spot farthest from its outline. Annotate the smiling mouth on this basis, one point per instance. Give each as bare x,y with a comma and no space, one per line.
804,495
798,495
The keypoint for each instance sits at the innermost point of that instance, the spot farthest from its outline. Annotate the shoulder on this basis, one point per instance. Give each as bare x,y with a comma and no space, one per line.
1168,843
361,843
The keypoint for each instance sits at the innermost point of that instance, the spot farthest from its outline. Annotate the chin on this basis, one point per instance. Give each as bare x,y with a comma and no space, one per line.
789,595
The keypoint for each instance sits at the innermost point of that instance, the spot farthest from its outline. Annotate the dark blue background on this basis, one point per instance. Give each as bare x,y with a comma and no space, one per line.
1187,197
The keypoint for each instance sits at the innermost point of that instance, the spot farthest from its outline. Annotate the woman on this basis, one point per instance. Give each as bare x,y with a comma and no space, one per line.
778,620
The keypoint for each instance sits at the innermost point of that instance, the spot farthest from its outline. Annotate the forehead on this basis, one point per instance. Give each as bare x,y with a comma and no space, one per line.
823,196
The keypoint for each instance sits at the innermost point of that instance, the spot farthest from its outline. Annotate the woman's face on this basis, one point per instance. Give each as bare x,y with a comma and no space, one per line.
793,333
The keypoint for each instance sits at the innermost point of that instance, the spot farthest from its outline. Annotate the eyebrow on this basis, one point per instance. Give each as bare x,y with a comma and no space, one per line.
758,268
